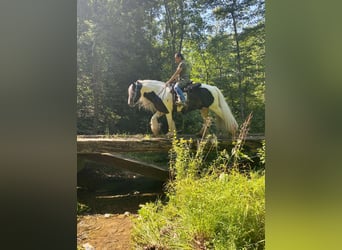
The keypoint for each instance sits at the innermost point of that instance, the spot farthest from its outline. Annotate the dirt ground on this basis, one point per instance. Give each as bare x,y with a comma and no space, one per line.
105,230
110,231
110,200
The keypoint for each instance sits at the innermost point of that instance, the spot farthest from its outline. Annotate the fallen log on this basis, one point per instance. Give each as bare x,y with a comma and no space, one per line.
121,162
110,145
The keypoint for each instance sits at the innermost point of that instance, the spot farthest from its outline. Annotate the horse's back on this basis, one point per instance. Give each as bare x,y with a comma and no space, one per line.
199,96
209,87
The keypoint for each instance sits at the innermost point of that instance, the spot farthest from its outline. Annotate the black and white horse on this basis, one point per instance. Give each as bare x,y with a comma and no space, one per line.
157,97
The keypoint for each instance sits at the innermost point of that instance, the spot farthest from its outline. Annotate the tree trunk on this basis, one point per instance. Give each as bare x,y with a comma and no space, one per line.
239,72
182,26
95,91
169,28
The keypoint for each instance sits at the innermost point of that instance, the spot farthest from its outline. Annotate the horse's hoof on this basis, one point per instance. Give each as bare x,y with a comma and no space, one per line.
170,134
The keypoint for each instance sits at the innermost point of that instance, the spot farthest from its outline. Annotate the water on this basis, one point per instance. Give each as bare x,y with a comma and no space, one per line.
109,190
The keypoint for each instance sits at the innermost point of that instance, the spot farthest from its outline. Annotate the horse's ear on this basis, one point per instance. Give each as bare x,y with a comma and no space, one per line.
135,84
138,84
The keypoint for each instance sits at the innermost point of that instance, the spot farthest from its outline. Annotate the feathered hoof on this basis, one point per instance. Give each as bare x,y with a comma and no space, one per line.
170,134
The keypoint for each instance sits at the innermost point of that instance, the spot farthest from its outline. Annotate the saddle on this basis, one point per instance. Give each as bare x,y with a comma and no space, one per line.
190,87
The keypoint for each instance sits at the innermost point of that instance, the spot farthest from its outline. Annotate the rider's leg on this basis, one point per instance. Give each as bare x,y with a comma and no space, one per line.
179,92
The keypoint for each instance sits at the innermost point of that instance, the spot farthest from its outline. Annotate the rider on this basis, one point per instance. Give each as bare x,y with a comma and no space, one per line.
182,76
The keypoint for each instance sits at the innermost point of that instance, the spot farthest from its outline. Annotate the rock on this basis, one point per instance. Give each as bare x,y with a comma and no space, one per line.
224,177
87,246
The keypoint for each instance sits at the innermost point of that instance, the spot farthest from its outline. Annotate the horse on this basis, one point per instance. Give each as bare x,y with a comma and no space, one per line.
158,98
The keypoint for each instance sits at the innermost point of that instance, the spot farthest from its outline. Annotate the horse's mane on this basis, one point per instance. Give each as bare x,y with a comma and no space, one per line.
155,86
152,82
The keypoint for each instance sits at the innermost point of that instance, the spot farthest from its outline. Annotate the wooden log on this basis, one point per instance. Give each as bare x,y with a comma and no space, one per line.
110,145
135,166
101,149
104,145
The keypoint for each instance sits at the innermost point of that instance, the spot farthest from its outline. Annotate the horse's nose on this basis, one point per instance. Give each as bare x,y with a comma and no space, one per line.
130,103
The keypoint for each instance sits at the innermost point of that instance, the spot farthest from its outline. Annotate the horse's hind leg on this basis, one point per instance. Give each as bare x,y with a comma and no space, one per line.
206,121
219,119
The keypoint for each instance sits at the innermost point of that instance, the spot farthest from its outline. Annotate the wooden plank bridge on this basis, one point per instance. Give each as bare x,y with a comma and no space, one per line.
105,149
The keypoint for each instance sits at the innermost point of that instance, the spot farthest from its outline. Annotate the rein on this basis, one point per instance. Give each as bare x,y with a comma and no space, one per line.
161,93
163,90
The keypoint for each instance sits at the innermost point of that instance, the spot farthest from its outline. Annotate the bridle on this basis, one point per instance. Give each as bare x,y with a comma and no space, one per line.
136,89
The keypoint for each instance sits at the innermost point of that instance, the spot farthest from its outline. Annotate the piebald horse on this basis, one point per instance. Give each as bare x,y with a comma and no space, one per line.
157,97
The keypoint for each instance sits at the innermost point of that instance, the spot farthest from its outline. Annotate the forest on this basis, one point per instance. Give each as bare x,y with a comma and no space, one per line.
121,41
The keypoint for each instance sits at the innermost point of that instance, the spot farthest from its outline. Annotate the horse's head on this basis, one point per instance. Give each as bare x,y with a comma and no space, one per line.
134,93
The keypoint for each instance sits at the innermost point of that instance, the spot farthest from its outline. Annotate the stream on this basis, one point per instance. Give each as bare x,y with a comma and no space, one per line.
105,189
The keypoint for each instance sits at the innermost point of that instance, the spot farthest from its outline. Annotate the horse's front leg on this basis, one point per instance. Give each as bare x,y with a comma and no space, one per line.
155,125
171,124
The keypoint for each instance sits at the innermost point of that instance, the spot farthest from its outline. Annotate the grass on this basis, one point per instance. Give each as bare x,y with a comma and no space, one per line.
218,213
208,206
159,159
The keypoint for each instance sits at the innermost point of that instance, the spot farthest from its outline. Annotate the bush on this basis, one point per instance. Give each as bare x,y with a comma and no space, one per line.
208,206
220,213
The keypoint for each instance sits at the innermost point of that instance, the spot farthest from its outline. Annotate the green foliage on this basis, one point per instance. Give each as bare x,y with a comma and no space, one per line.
207,208
82,208
262,153
183,162
119,42
221,213
159,159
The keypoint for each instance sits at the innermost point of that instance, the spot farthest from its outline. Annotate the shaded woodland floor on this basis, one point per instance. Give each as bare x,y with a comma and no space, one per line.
109,198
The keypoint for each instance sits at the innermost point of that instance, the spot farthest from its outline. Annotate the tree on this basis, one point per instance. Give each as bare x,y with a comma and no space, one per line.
122,41
112,52
239,14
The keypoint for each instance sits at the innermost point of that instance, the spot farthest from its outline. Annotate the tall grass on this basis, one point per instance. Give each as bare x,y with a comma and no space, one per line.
208,206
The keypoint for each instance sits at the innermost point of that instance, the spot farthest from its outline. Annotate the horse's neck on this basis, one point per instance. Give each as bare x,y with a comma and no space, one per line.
157,87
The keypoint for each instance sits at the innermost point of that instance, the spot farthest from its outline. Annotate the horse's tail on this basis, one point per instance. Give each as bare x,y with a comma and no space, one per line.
229,121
